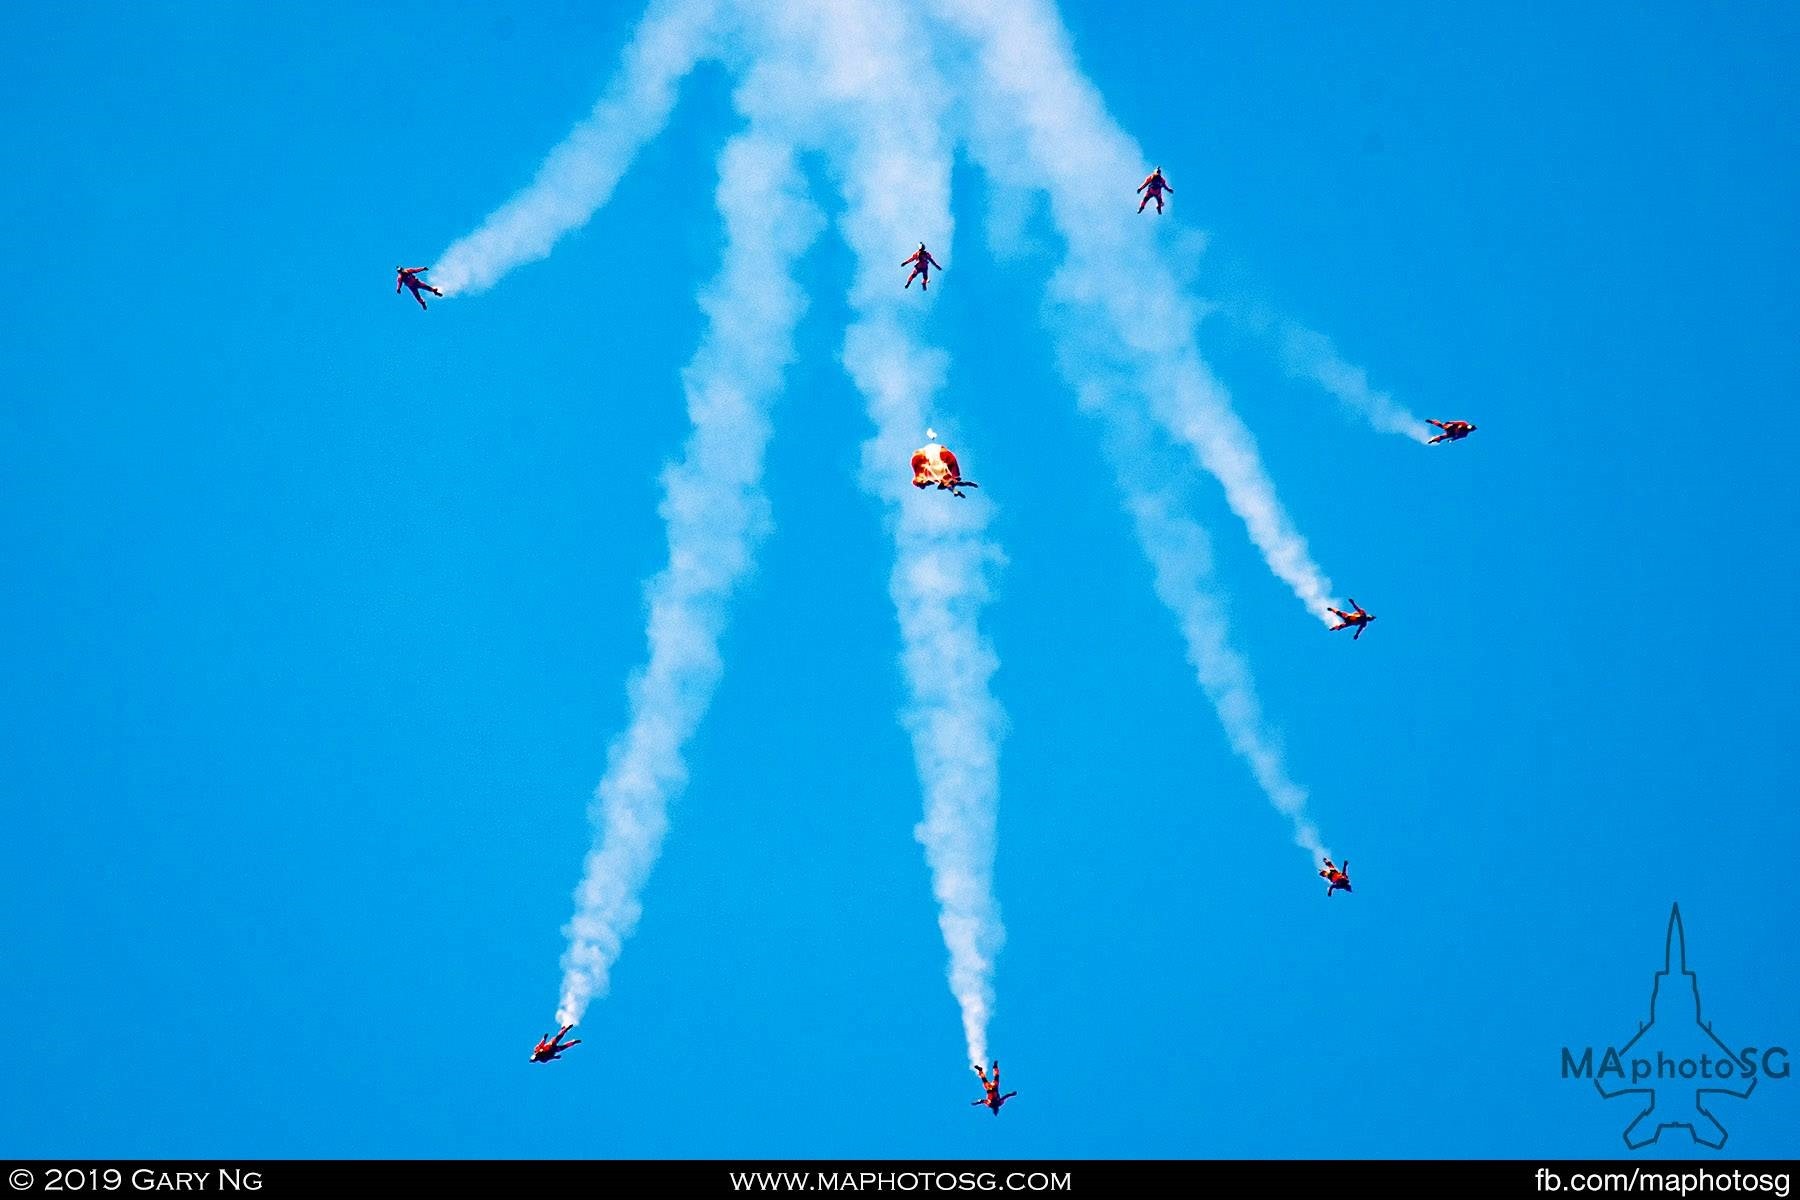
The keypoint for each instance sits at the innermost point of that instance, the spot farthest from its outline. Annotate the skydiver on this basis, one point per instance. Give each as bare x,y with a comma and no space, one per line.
921,263
409,277
991,1089
1454,431
1153,187
934,463
1336,878
1357,619
549,1049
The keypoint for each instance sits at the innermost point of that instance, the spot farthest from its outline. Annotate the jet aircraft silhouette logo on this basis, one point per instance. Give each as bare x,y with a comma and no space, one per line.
1675,1064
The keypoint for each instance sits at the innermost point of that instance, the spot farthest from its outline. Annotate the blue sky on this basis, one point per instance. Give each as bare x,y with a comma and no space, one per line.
320,611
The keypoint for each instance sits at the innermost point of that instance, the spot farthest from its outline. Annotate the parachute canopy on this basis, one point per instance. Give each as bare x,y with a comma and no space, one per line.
935,464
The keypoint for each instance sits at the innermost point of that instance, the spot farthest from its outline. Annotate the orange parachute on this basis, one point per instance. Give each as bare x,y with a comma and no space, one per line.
935,464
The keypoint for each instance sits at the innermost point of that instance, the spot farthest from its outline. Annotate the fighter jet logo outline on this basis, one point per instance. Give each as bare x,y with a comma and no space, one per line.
1701,1124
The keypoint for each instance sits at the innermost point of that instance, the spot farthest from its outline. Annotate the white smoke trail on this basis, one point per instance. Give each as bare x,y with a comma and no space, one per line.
1307,354
862,75
1110,347
579,175
939,584
1031,107
1181,559
716,513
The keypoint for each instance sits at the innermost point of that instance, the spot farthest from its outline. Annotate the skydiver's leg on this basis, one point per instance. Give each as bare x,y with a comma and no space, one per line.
419,298
1143,202
433,290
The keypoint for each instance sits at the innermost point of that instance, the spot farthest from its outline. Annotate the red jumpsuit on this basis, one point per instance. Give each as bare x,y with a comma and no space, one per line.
1153,187
921,263
409,278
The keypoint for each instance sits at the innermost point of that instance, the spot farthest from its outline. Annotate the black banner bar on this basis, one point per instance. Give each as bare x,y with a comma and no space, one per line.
749,1177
